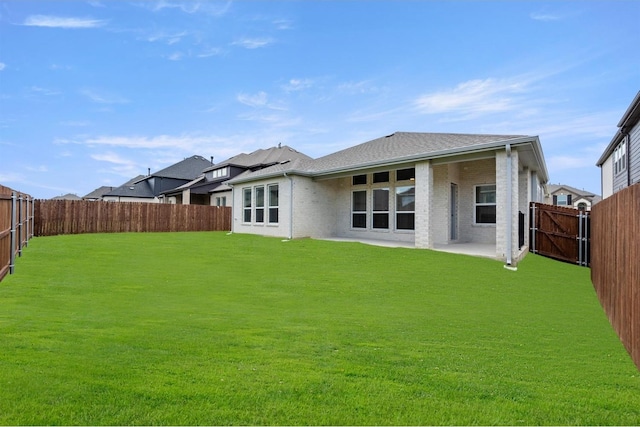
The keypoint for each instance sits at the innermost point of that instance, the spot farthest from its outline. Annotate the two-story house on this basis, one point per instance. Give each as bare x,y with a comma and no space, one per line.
620,162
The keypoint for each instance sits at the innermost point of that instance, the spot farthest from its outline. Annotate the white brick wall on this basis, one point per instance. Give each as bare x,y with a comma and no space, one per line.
502,234
424,198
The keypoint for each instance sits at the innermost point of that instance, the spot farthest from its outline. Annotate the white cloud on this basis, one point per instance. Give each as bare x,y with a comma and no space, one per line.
62,22
190,7
175,56
44,91
295,85
258,100
211,51
253,43
474,97
2,66
168,38
545,17
103,98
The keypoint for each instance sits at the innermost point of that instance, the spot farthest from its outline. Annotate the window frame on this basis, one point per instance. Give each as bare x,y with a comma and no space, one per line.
410,213
273,213
359,213
380,213
259,205
247,208
477,204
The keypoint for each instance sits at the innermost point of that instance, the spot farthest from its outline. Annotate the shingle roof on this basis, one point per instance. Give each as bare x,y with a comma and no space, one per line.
136,187
392,149
188,168
552,188
400,146
261,158
98,192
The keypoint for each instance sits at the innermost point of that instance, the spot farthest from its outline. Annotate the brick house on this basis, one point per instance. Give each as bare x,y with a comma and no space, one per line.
422,189
571,197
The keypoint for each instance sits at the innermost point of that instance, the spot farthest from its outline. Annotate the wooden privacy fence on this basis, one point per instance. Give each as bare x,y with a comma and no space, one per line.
615,264
53,217
16,226
560,233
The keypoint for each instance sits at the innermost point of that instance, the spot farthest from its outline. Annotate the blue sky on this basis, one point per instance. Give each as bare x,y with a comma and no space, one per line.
93,93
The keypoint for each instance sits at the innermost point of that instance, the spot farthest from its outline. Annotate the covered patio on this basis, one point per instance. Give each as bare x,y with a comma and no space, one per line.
485,250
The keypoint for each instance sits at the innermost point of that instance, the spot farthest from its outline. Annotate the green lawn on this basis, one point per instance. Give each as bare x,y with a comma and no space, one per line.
209,328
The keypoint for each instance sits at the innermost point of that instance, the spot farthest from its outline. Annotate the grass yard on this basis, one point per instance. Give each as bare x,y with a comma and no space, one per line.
205,328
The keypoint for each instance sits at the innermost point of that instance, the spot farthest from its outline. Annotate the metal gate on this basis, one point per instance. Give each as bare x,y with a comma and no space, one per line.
560,233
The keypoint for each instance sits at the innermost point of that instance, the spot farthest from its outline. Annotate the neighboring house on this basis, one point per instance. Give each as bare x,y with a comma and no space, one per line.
620,162
564,195
149,188
210,189
423,189
67,196
97,194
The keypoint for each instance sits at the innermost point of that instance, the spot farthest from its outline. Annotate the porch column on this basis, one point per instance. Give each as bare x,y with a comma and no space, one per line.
186,196
424,203
503,233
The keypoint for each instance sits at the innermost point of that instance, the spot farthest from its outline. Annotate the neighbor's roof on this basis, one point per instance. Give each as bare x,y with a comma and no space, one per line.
261,158
398,148
629,120
188,169
136,187
98,192
552,188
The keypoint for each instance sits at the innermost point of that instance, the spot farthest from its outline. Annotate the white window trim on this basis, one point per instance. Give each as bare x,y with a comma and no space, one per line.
270,206
476,204
257,208
245,208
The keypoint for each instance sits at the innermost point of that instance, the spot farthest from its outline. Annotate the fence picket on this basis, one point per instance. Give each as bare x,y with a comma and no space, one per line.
54,217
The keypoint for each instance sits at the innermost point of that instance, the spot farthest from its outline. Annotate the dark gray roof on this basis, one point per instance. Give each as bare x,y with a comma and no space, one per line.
629,119
136,187
261,158
395,149
188,168
98,192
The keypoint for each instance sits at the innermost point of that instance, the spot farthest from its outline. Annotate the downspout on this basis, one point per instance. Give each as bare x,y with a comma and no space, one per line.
509,206
233,204
290,206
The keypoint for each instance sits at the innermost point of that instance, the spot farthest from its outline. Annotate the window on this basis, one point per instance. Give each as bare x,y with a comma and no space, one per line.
562,199
273,204
485,204
217,173
582,206
221,201
381,177
246,205
620,158
405,207
406,174
359,209
259,193
380,208
359,180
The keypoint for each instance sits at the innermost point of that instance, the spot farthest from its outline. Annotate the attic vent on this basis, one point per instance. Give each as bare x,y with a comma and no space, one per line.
131,188
389,136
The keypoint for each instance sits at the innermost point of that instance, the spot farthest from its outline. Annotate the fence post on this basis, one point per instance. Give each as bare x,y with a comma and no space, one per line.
19,225
533,228
12,255
580,238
